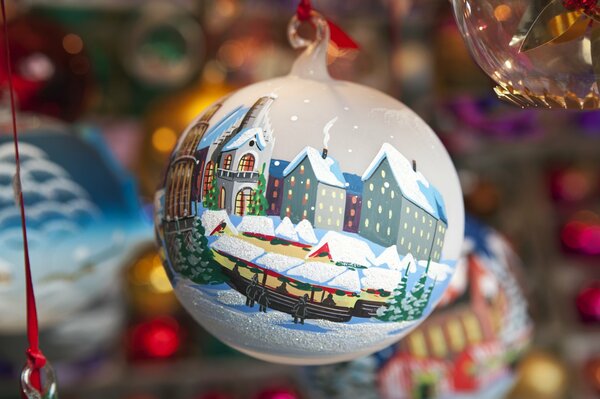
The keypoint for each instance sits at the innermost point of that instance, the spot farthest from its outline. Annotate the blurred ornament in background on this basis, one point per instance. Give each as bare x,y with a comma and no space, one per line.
165,46
588,303
592,373
83,217
149,288
277,393
571,184
156,338
167,118
581,233
541,375
540,53
51,70
306,220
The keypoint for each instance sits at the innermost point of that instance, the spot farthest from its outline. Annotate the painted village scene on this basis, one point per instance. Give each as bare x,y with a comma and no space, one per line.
300,240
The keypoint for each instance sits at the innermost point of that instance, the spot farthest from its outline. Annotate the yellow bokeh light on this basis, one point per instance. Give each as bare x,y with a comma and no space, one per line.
159,280
502,12
164,139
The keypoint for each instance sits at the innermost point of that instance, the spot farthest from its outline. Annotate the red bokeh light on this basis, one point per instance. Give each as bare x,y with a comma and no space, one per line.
277,393
157,338
582,233
588,303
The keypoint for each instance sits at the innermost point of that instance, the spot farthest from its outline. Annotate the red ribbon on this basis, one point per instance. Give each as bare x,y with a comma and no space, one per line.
340,38
35,357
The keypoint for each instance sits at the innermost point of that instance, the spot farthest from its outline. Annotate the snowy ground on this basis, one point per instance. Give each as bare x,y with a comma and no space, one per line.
222,312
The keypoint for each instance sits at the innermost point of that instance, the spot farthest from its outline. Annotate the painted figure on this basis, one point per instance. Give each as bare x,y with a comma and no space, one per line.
263,300
252,290
300,309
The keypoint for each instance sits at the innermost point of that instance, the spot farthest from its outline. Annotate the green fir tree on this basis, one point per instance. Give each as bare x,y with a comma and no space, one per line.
421,304
199,264
211,199
395,311
177,252
413,304
259,204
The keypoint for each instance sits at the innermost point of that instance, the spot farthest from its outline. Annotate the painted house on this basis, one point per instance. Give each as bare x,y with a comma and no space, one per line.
179,185
400,207
314,189
275,186
354,186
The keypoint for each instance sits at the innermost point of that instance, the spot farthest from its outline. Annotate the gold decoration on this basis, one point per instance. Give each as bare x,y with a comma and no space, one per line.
527,98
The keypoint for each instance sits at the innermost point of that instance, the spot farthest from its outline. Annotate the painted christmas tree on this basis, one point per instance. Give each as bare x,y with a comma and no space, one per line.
414,303
259,204
177,251
420,304
395,310
199,264
211,199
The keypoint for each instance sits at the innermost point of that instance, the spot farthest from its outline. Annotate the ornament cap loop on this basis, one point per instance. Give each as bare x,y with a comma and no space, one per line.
312,63
47,378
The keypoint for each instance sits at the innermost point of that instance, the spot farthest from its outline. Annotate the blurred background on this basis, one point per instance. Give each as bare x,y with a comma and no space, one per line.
136,72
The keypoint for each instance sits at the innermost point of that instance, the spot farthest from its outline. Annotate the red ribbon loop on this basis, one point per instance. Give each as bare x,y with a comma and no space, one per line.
340,38
36,359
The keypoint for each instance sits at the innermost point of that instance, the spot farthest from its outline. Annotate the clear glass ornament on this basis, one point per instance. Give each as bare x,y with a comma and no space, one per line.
542,53
305,220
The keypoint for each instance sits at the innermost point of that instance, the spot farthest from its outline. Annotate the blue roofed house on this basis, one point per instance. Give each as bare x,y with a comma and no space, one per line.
314,188
400,207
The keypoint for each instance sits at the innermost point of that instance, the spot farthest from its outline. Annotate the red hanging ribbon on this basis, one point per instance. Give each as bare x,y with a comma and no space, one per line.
35,357
340,38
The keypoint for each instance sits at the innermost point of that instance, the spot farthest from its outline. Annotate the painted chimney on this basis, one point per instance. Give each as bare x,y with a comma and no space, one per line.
324,153
414,163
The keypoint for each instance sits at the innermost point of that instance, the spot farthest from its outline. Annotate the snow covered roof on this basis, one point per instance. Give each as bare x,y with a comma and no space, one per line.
347,281
212,219
437,271
391,259
278,263
380,278
244,136
343,248
215,131
257,225
306,232
277,167
316,272
354,183
413,184
326,170
286,230
238,248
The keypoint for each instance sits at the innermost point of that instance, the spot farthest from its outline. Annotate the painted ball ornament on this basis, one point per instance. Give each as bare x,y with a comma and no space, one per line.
540,53
305,220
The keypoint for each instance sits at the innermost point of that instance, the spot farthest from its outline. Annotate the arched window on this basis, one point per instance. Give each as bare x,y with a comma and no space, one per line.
243,200
246,163
227,162
209,175
222,197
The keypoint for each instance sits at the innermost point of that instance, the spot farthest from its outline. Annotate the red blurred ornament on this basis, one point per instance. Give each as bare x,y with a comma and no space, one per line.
581,234
586,5
570,185
51,72
588,303
159,338
277,393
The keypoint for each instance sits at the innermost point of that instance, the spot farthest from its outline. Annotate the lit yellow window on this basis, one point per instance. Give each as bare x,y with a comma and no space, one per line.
340,210
369,204
382,173
402,241
405,226
306,196
337,222
416,215
379,209
392,194
409,245
323,192
367,222
382,190
438,343
320,205
428,236
472,328
457,338
414,229
342,195
304,213
418,249
329,221
390,214
319,219
301,169
421,232
377,227
293,180
330,208
417,344
307,184
371,187
333,194
430,223
407,209
389,231
423,219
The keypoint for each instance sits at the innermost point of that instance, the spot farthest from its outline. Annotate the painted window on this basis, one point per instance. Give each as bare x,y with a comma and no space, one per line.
328,221
222,198
409,246
340,210
383,173
337,222
354,199
418,249
208,178
290,194
417,344
323,192
331,208
392,194
438,343
423,219
369,204
352,212
414,229
304,213
276,183
243,200
367,222
246,163
275,194
402,241
389,231
307,184
405,226
320,205
407,209
382,190
416,215
350,223
371,187
333,194
379,209
390,214
301,169
227,162
421,233
377,226
319,219
293,181
472,328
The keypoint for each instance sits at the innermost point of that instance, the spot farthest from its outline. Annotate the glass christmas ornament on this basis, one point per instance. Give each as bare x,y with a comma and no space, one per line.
305,220
83,221
541,53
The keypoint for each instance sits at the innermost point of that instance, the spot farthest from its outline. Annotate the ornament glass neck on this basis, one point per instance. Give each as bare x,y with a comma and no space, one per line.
312,63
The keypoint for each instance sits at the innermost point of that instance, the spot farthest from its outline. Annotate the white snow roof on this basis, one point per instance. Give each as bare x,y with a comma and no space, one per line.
286,230
413,184
438,271
316,272
347,281
257,225
379,278
212,219
343,248
238,248
253,133
326,170
278,263
390,259
306,232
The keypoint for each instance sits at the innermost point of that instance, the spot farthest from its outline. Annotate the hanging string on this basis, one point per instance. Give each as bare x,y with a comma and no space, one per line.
35,357
340,38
